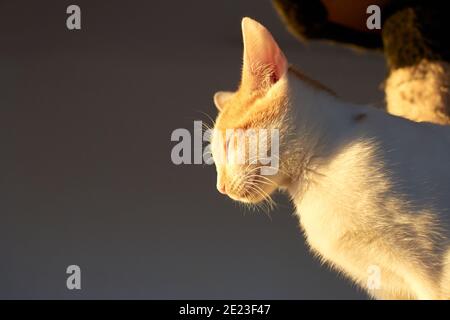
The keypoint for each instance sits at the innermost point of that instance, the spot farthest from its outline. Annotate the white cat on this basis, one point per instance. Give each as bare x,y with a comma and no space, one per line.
371,190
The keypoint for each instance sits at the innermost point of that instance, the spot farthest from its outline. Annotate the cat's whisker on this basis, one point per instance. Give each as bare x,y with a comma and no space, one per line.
269,167
209,118
266,206
265,179
264,182
263,194
206,127
261,204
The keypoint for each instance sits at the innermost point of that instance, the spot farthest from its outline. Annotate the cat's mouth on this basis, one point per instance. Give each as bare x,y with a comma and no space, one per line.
253,190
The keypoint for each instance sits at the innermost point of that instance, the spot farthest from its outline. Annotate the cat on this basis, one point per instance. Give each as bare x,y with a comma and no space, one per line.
371,190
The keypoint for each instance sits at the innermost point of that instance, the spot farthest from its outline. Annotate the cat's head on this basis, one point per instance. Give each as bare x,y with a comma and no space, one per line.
253,118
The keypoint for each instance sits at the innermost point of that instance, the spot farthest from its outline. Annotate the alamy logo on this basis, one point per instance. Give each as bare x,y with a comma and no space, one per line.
374,20
73,21
232,146
374,278
74,280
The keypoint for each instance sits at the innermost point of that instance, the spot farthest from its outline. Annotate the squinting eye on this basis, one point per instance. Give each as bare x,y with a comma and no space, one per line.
227,145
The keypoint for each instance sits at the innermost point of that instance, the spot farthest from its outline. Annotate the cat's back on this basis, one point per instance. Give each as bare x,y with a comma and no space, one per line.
415,157
387,165
412,158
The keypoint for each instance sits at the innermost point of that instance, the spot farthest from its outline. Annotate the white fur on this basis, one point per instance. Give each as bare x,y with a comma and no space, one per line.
373,192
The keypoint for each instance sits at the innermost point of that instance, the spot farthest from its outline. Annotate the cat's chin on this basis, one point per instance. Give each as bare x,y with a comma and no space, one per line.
253,200
249,200
253,197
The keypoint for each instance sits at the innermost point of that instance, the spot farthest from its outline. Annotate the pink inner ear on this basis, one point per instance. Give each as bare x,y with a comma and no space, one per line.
262,56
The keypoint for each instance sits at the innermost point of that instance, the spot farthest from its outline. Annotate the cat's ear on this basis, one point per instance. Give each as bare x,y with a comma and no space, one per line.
221,97
264,62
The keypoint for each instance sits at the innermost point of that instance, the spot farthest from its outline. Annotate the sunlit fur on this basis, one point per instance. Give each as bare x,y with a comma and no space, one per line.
369,191
255,110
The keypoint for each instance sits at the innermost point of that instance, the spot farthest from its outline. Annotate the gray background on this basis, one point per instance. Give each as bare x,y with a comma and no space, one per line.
85,170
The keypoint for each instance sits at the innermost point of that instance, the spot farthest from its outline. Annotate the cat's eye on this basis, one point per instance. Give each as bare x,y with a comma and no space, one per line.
227,143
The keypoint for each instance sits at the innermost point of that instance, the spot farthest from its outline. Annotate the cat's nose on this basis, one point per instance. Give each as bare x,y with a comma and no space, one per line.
221,187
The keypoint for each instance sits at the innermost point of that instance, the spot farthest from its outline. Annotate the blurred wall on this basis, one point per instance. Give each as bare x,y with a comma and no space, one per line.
85,170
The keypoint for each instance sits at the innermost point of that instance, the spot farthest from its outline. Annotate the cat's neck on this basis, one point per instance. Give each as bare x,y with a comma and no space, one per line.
322,121
317,106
